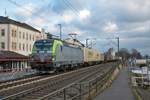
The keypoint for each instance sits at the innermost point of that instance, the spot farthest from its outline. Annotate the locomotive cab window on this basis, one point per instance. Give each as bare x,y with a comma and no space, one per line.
43,46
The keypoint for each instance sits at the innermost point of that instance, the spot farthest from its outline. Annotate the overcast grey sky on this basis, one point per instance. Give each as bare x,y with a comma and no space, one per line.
100,19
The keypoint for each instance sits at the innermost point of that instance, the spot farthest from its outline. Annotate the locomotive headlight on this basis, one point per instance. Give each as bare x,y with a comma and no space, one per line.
49,52
32,59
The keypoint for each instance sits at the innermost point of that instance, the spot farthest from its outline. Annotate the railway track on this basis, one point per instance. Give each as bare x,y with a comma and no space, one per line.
17,82
12,80
42,87
75,90
11,84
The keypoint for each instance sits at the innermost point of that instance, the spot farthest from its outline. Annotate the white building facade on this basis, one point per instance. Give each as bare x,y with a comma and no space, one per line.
18,37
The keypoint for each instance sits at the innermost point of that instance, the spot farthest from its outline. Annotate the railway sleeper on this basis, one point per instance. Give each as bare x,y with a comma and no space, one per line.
74,75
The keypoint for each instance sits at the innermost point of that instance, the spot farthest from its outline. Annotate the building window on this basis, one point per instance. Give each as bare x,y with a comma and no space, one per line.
33,38
27,47
2,45
19,46
12,33
23,35
14,45
23,47
20,35
3,32
15,33
27,36
30,48
30,37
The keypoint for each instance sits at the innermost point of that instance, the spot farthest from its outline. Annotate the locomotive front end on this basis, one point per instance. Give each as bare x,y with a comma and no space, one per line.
42,58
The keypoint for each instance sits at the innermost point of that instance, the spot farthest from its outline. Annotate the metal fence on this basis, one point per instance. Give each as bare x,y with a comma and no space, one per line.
82,90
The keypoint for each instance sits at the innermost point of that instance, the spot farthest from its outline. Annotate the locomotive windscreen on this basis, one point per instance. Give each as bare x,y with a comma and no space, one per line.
43,45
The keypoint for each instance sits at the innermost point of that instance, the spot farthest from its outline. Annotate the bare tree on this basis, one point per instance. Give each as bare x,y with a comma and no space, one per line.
136,54
124,53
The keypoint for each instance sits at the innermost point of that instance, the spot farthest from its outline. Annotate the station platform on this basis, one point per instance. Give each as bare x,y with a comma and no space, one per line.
119,90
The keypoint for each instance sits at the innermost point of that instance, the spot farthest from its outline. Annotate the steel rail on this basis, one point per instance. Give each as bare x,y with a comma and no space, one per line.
27,91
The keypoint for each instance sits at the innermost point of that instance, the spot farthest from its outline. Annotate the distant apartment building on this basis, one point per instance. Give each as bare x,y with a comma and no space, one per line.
18,37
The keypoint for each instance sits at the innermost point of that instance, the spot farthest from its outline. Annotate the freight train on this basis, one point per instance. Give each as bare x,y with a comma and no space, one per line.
55,54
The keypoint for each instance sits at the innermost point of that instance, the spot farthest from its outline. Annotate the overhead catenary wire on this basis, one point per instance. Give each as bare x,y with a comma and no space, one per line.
29,11
110,42
69,5
78,3
26,9
72,6
66,2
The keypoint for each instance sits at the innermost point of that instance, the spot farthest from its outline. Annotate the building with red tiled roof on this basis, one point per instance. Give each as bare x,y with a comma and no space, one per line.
12,60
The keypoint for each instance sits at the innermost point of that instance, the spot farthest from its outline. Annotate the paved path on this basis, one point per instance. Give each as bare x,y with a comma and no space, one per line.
119,90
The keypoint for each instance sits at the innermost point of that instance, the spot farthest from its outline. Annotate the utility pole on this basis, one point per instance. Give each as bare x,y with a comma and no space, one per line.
93,42
118,45
60,31
87,42
87,45
5,13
